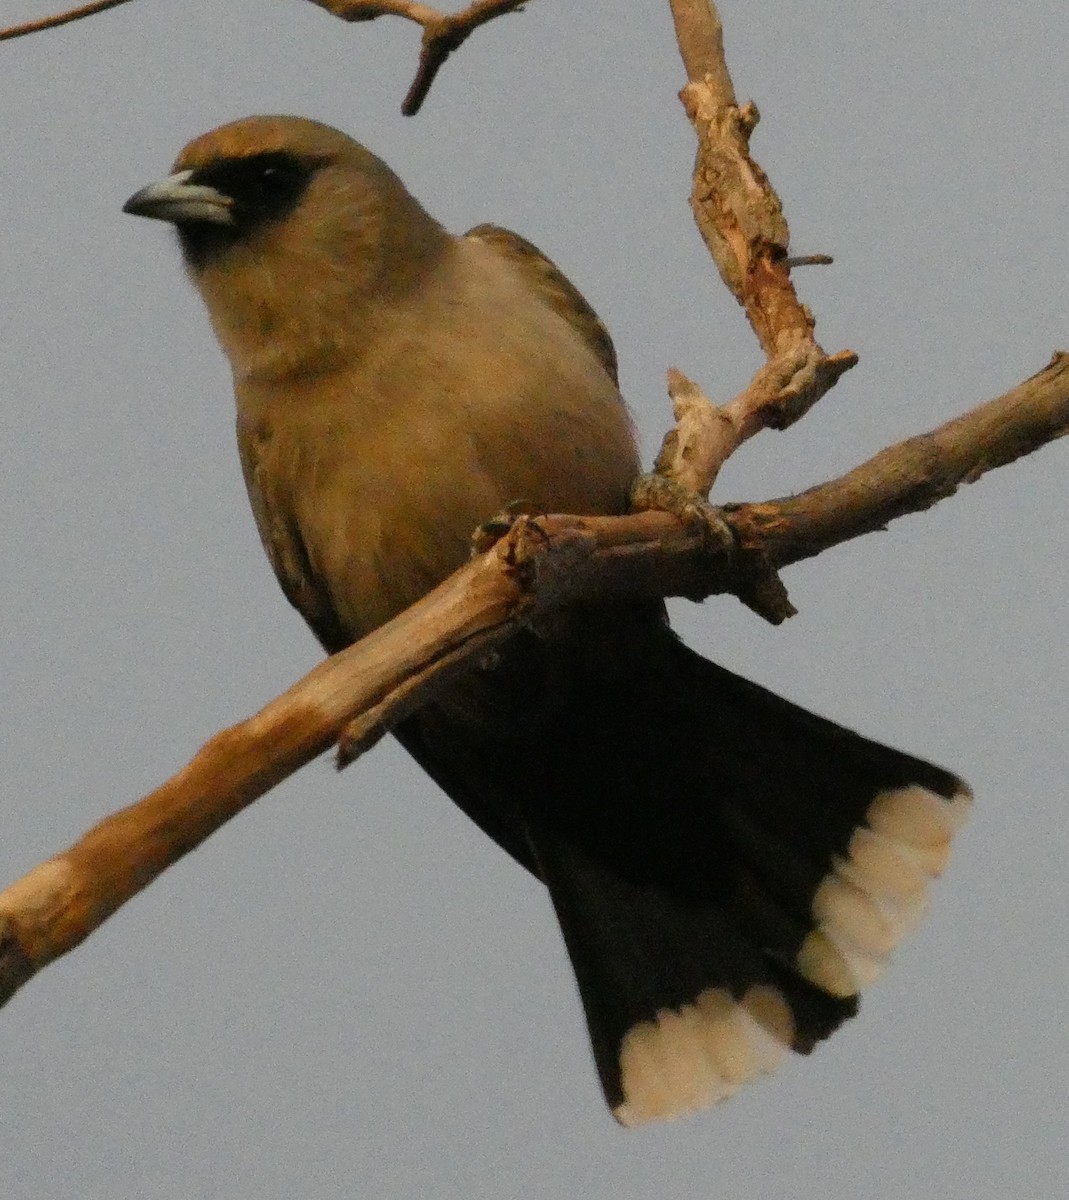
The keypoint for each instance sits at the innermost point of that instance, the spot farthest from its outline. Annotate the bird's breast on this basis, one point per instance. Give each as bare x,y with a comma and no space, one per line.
368,482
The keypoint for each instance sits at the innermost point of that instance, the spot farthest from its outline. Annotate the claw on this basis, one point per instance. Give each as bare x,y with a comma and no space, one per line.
758,586
659,493
490,532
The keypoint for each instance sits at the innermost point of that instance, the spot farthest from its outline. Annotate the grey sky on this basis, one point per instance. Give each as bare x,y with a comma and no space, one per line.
350,991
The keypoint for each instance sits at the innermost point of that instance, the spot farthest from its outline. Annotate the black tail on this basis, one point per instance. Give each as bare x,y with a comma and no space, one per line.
728,869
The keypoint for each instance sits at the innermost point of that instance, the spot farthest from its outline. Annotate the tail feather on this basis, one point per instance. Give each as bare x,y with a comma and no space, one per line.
682,1007
728,870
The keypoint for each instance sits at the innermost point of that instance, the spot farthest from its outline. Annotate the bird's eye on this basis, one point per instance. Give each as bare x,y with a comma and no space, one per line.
279,185
261,186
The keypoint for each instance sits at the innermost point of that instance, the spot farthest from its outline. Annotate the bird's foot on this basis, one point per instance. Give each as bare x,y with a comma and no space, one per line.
659,493
759,586
489,533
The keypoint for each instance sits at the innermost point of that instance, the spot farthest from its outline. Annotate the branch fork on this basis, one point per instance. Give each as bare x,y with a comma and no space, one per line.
442,32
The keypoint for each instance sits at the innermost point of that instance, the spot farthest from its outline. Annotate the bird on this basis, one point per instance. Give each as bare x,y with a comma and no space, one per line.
729,871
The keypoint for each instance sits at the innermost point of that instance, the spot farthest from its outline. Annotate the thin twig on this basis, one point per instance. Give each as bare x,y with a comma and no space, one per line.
442,32
705,436
913,475
63,18
808,260
741,219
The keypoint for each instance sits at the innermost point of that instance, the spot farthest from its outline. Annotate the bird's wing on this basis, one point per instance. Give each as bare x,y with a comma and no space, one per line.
284,545
555,289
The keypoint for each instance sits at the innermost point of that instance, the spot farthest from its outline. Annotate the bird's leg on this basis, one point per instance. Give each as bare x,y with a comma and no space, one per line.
759,587
490,532
660,493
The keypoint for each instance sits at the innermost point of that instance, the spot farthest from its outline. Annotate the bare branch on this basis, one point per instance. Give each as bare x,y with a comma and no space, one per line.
913,475
442,32
700,37
357,695
57,19
741,219
705,437
735,206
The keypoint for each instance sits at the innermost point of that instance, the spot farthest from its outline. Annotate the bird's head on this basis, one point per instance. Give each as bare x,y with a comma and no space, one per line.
284,224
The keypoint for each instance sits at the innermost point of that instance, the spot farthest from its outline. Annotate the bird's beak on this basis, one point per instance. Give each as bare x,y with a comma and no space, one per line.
176,199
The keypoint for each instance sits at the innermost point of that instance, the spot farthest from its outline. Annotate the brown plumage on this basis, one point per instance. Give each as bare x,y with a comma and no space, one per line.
728,869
